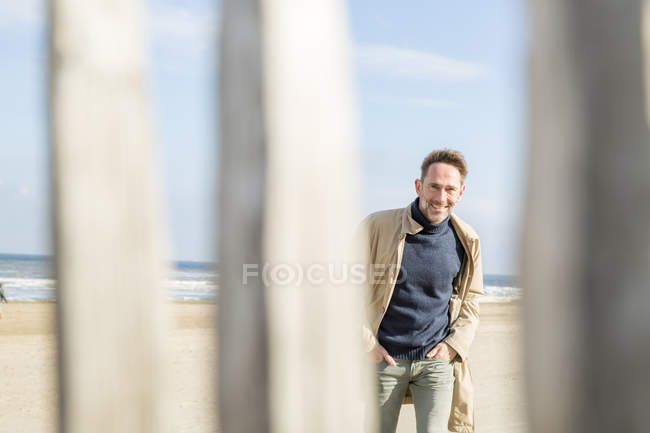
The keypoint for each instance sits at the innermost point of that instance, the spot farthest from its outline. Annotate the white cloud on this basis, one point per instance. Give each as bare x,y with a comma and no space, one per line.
20,13
409,63
181,30
170,27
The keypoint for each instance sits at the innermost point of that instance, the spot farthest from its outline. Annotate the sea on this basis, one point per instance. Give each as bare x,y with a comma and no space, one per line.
30,278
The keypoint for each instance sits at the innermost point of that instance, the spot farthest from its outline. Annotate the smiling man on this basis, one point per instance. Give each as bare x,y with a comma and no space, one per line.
423,311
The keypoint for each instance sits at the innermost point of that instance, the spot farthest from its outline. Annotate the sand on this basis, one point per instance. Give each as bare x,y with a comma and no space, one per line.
497,372
28,386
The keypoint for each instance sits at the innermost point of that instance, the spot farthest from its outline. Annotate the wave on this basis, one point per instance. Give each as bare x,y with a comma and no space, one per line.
502,291
43,289
50,283
36,283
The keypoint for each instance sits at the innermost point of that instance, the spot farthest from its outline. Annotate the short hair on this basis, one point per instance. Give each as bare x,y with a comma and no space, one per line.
448,156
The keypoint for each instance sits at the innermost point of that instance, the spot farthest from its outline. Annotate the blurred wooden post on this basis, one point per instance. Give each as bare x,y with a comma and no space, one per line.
107,242
289,198
318,380
243,355
587,239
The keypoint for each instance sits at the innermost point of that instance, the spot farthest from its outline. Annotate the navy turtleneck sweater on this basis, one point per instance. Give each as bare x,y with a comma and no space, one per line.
417,317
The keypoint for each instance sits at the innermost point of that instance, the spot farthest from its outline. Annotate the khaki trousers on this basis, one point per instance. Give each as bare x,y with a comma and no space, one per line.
431,383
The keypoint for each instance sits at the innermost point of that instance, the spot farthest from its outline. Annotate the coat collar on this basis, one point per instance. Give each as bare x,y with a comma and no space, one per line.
409,225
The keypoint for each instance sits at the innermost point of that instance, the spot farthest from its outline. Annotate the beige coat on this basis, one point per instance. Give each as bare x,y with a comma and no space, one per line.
386,231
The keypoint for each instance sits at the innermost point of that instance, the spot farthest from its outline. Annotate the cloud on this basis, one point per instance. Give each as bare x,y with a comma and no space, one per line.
170,27
21,13
409,63
182,30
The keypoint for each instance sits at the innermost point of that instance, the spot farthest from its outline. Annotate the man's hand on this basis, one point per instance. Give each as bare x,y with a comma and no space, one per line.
379,353
442,351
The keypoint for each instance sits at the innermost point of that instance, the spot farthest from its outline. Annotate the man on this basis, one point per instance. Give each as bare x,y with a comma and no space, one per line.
423,305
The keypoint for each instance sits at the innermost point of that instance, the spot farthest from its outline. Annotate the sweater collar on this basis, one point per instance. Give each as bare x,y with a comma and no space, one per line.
467,235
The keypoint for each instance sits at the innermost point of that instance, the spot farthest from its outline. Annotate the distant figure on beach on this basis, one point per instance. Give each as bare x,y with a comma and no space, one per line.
3,298
423,312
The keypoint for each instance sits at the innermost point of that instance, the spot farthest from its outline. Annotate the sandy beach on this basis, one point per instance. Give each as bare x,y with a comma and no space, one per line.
497,371
28,387
28,384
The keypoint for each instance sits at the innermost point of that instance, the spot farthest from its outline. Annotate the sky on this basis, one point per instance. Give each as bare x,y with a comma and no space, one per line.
429,74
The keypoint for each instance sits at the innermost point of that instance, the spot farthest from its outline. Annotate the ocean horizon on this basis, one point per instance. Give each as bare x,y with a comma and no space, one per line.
30,278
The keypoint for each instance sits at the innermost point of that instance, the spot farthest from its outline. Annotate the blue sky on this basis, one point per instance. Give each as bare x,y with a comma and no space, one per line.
429,74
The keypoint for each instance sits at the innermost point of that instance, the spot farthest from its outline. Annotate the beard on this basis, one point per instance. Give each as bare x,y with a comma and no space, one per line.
437,207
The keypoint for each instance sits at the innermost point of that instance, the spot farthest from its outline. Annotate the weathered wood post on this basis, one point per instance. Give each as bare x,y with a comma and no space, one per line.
243,351
289,200
318,382
107,219
587,238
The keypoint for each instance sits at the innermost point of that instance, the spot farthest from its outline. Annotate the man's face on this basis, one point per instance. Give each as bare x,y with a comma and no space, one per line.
439,191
